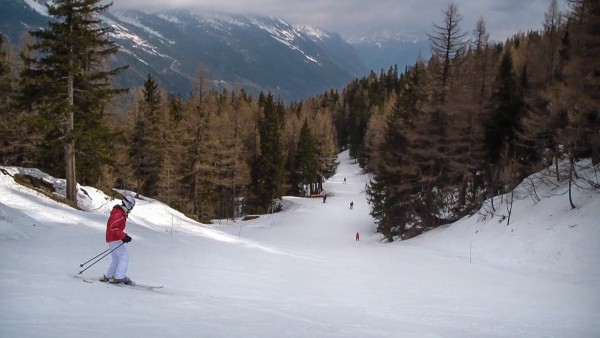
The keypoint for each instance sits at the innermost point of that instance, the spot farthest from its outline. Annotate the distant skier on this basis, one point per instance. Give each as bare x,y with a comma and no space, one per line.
344,180
351,204
357,236
324,196
116,238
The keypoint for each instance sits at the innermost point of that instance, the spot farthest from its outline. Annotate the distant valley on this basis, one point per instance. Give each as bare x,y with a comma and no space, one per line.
256,53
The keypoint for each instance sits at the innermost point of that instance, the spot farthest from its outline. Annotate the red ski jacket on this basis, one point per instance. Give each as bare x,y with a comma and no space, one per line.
116,224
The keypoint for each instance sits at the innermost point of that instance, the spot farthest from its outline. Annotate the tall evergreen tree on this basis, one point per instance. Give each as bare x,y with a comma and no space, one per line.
268,164
146,144
502,127
383,191
305,171
68,80
356,110
396,180
508,108
11,127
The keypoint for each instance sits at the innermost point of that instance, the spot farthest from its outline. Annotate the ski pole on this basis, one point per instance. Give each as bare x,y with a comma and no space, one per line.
91,259
99,259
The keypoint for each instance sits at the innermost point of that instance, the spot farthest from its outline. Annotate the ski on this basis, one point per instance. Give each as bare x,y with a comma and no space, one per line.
83,279
137,286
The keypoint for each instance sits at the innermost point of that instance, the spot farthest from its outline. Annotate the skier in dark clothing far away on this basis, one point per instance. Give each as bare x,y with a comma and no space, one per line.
116,238
357,236
324,197
351,204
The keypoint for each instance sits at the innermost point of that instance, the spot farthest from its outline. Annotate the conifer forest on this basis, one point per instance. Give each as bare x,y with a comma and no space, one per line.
437,138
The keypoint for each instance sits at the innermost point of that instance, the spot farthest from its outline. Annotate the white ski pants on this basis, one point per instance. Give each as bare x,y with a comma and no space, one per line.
120,260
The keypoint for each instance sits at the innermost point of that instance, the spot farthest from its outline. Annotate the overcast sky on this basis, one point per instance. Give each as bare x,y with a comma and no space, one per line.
353,18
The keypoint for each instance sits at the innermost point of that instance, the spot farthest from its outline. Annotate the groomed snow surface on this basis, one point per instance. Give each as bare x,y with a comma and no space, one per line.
300,272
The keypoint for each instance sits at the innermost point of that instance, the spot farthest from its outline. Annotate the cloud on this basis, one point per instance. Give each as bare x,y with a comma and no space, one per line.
353,18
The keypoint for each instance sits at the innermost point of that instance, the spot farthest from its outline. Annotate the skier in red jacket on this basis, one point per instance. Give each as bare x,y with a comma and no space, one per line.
116,238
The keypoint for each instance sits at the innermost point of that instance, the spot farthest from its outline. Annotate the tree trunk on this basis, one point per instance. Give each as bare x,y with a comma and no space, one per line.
234,172
70,146
571,171
556,157
509,205
197,174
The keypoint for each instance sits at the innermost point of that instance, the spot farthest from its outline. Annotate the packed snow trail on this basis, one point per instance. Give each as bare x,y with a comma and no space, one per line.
300,272
328,226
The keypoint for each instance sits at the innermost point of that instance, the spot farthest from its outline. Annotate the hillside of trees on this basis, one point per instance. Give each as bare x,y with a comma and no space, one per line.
477,118
438,138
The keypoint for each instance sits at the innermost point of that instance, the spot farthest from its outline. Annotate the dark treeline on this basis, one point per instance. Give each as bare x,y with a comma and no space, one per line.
438,138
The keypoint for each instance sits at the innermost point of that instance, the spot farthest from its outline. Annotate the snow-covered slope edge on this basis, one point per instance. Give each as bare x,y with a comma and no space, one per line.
20,218
543,235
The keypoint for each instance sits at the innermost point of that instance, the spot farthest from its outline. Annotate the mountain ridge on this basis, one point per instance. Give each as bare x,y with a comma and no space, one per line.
256,53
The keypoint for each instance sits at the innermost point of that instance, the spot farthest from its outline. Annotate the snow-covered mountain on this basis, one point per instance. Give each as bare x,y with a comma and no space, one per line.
384,49
300,272
251,52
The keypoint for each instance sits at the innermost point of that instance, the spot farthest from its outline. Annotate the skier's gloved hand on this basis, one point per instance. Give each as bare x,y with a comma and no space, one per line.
127,239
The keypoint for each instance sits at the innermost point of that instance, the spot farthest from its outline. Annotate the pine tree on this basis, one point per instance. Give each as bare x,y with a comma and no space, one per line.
11,126
502,127
66,81
396,178
508,108
146,145
381,201
356,106
305,171
268,164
